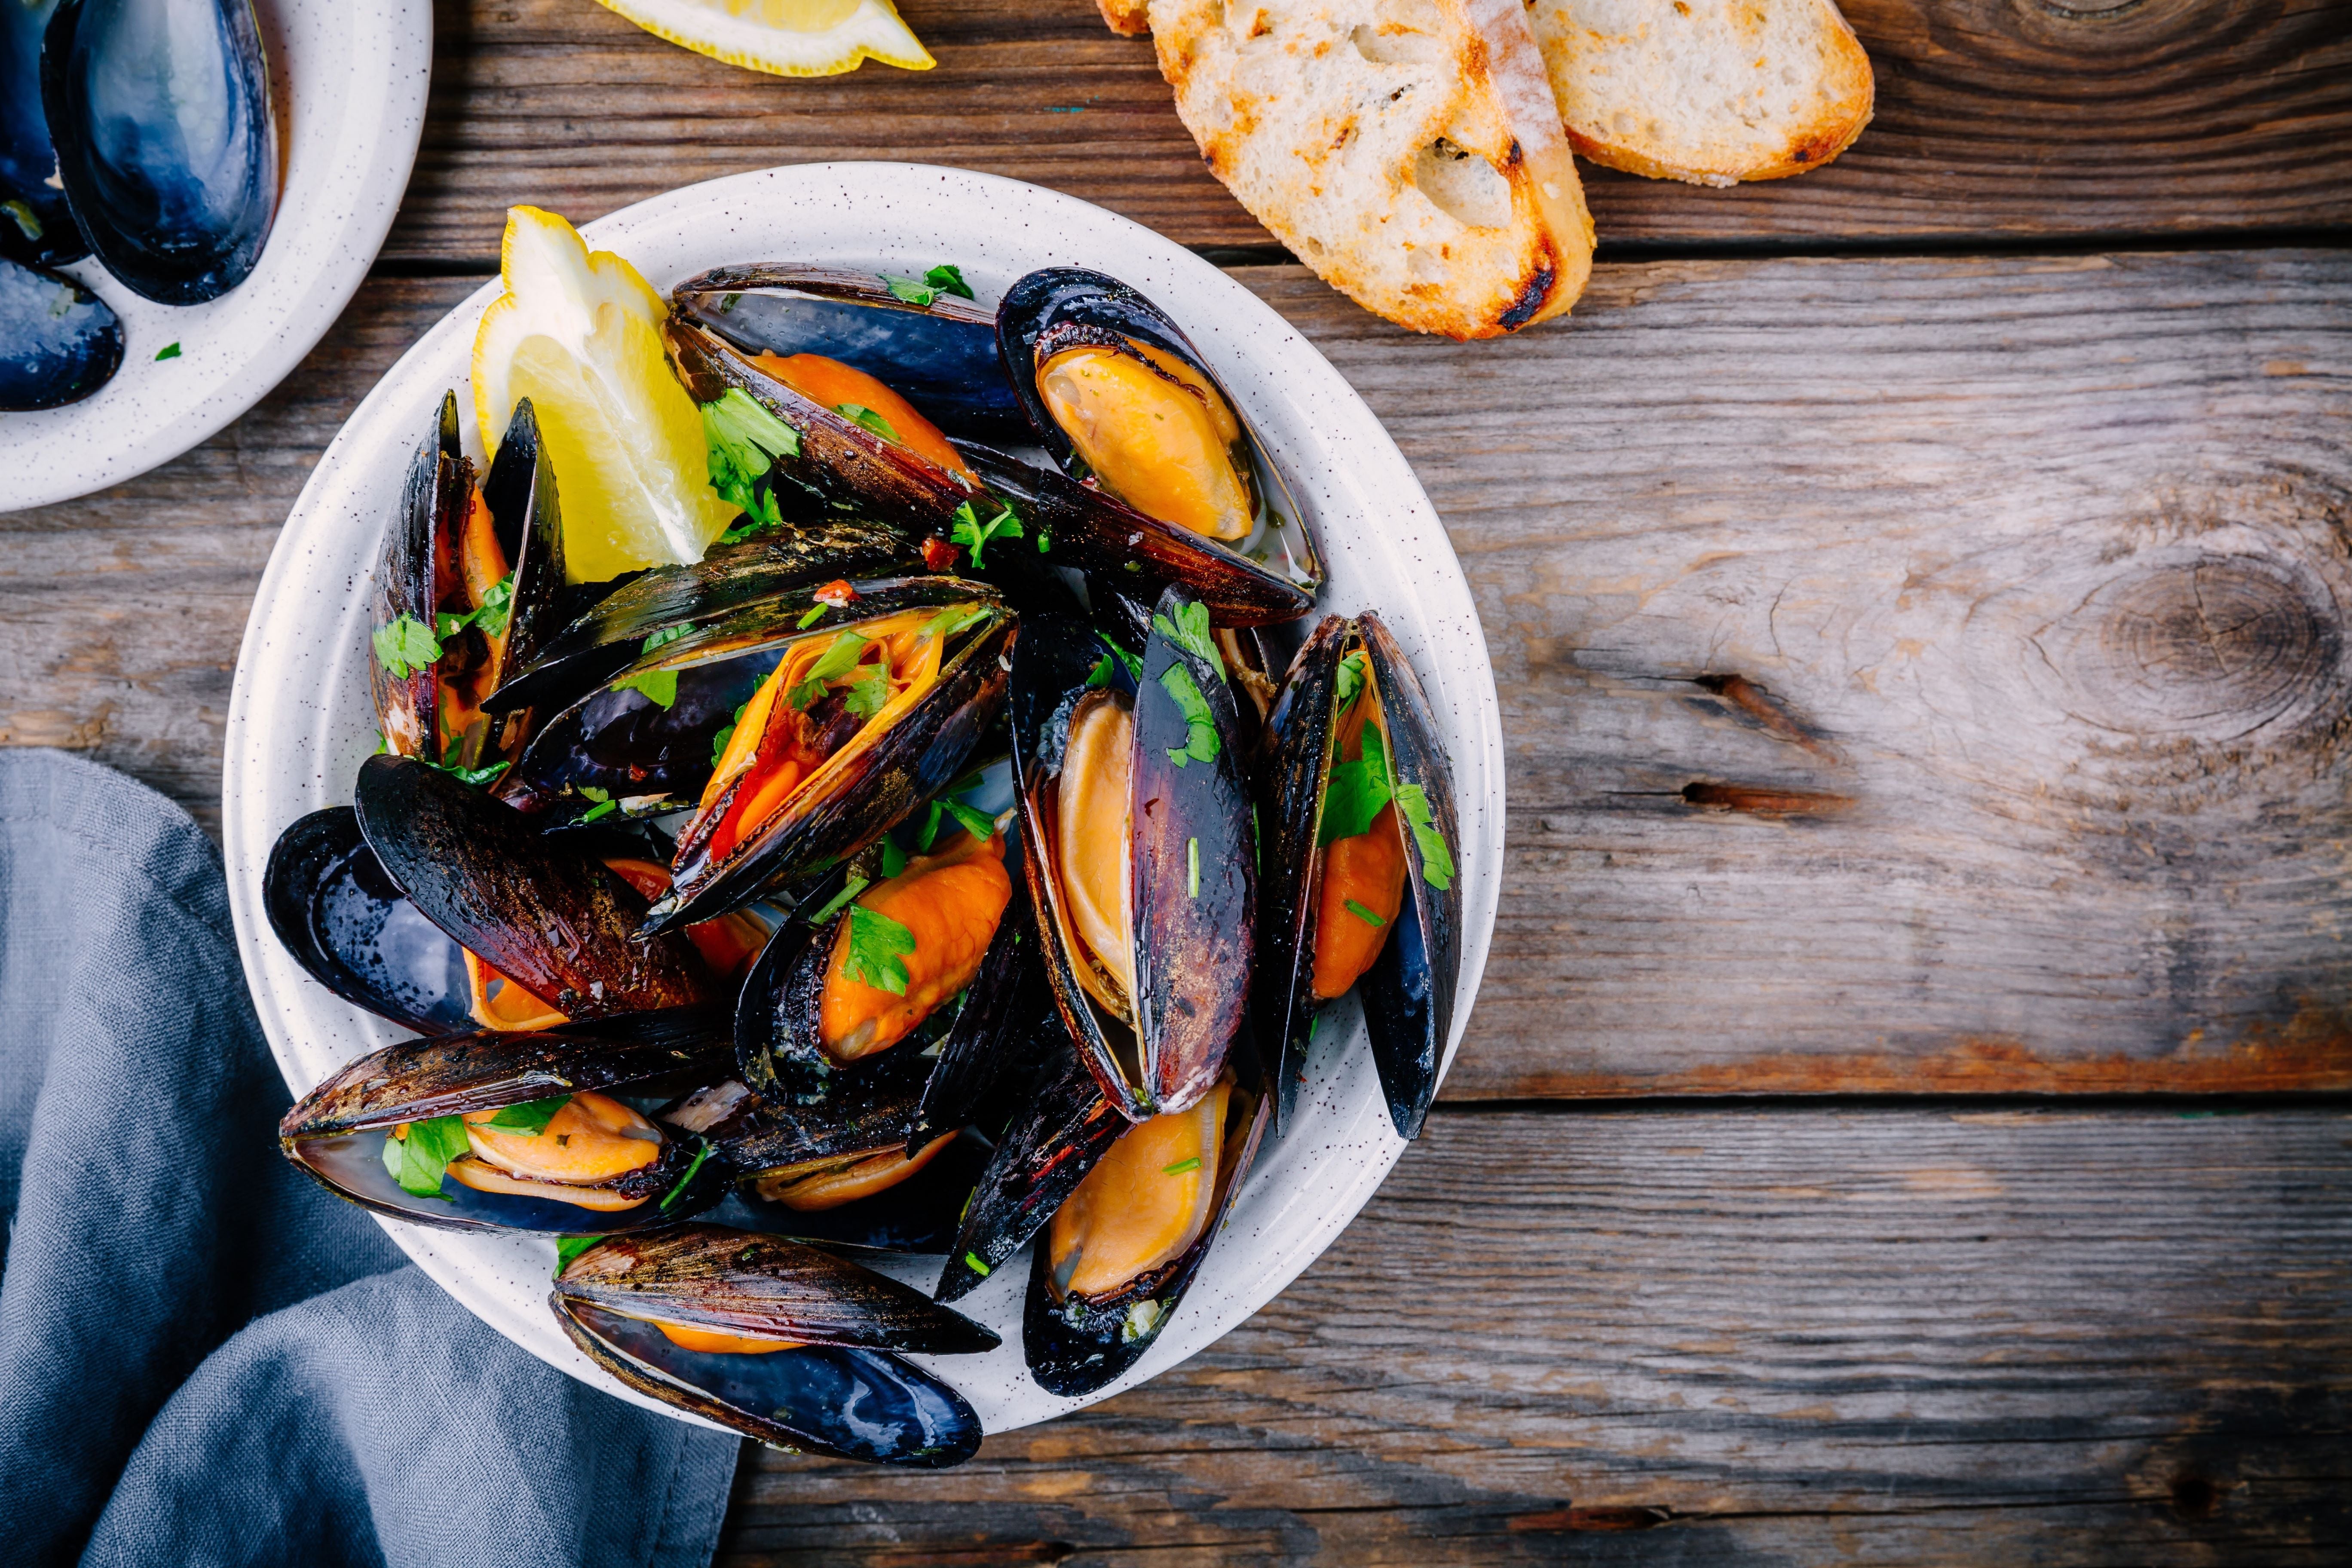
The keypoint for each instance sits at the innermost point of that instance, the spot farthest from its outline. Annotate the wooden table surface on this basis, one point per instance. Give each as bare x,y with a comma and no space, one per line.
1906,1114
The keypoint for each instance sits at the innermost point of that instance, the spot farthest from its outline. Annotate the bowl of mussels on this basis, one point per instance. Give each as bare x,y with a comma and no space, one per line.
890,979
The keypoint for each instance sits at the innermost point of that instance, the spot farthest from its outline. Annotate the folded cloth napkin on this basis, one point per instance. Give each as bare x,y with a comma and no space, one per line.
205,1358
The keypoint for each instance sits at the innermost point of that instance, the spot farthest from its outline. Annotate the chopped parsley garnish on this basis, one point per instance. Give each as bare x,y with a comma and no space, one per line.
979,823
1181,1166
531,1117
859,415
568,1247
606,804
1363,914
169,350
1351,677
974,534
726,733
849,889
1201,739
417,1161
817,613
407,645
930,830
839,657
1436,859
1356,793
701,1153
476,777
868,691
893,860
659,687
490,614
1190,631
954,620
949,279
743,440
877,944
662,639
975,1265
913,291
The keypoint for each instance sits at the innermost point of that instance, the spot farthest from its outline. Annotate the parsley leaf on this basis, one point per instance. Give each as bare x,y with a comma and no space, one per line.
930,833
1200,742
742,441
1351,677
531,1117
948,279
859,415
169,350
979,823
893,860
815,614
568,1247
913,291
1363,914
490,614
849,889
1190,631
868,691
726,733
839,657
659,686
1100,675
405,646
700,1155
476,777
877,946
974,534
976,1266
1356,791
1436,859
1181,1167
663,638
417,1161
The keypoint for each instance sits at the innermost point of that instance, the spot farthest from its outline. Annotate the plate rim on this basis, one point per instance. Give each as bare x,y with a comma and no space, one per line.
1306,376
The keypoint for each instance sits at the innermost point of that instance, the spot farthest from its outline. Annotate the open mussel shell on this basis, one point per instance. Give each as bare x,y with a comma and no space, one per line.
410,583
58,341
1269,574
528,522
839,1391
36,226
331,1133
1408,990
729,582
1075,1344
899,758
838,462
541,910
166,144
934,348
1063,1126
619,750
1192,879
787,1155
354,931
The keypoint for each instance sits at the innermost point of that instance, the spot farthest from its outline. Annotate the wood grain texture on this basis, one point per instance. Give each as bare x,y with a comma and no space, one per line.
2013,118
1791,1336
1919,675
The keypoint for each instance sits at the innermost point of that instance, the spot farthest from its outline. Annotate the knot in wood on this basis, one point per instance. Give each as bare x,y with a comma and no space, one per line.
2206,645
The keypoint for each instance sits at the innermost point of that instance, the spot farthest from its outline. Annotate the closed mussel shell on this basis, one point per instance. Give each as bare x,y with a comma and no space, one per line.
1407,990
1155,1023
526,519
830,1386
416,1085
757,827
353,930
542,911
411,582
36,226
58,341
932,347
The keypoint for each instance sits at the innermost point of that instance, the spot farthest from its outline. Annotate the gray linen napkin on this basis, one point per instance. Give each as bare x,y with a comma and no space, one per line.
203,1358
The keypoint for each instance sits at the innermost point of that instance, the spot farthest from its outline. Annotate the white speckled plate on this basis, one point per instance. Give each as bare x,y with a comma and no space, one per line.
300,723
349,77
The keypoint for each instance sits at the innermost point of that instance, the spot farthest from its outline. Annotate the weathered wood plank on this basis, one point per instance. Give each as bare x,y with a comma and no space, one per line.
1917,675
1788,1337
1994,119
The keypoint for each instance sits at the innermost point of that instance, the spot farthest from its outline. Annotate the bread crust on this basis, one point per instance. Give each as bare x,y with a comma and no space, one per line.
1407,150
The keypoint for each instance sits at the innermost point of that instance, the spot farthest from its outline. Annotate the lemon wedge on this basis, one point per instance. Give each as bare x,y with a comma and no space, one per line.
786,37
579,333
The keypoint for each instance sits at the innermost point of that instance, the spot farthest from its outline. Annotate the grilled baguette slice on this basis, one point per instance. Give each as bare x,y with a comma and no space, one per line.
1712,91
1128,17
1408,150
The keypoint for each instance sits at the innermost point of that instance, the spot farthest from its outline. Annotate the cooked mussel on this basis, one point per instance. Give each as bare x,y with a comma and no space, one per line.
549,931
166,142
779,1341
470,579
58,341
1124,1246
354,931
1138,846
1125,403
879,691
1360,888
508,1131
852,1146
924,338
36,226
839,434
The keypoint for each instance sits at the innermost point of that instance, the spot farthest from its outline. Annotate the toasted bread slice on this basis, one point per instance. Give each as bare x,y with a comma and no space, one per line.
1130,18
1408,150
1712,91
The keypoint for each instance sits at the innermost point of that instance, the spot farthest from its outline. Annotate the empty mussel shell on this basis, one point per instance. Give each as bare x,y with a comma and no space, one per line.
542,911
932,347
166,143
495,1130
779,1341
354,931
1360,887
1120,1251
1138,849
36,226
58,341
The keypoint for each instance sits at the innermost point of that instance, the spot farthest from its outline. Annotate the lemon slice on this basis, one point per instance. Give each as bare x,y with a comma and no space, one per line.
579,333
787,37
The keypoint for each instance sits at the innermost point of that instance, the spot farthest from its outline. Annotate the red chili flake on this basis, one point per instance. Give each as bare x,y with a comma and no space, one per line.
837,592
939,555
